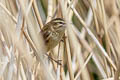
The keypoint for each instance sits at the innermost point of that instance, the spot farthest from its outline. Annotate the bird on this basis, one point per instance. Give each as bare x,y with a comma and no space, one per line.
53,32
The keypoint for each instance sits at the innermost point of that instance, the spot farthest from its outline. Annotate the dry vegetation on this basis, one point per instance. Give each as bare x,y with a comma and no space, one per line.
90,49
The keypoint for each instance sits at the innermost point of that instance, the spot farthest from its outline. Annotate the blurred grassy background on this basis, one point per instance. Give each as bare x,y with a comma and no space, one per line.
90,49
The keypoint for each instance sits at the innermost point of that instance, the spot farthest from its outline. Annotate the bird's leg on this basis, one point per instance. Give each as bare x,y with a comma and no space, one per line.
57,61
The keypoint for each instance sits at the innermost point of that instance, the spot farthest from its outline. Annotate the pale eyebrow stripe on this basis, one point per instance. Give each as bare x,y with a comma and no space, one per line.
59,21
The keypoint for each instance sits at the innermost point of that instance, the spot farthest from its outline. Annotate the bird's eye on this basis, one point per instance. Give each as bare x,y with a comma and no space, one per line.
58,25
62,22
